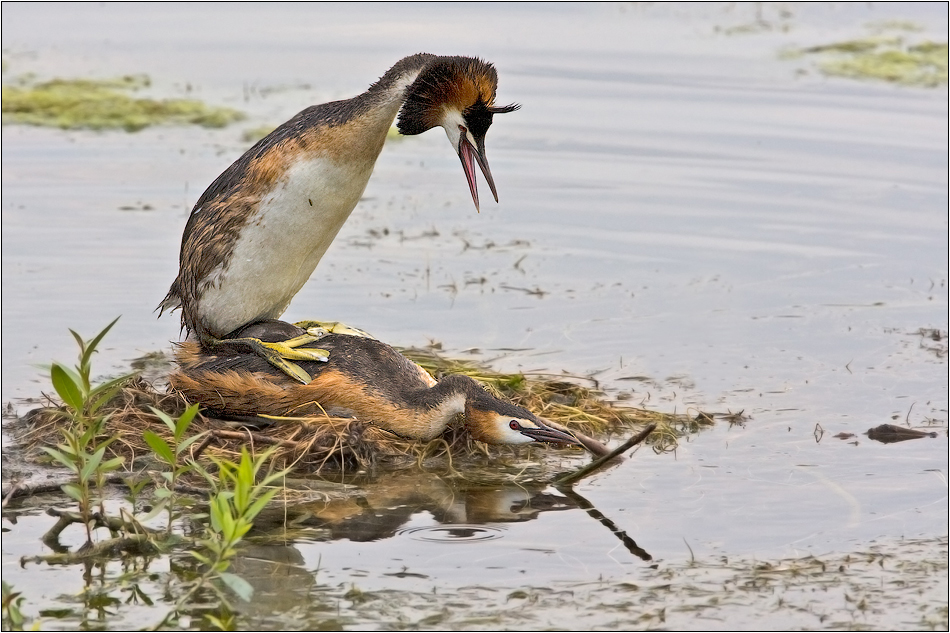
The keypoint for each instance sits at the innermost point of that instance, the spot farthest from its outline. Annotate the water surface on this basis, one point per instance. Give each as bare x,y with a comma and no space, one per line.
701,224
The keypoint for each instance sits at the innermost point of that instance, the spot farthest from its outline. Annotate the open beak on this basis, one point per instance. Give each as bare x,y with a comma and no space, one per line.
471,155
544,433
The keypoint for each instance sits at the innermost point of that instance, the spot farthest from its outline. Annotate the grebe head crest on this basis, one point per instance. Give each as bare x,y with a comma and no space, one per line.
458,94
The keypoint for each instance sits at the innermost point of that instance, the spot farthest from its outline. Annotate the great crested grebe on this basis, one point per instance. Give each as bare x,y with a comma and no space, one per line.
371,379
258,232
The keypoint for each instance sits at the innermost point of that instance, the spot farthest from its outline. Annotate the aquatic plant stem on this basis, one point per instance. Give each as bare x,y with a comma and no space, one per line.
571,478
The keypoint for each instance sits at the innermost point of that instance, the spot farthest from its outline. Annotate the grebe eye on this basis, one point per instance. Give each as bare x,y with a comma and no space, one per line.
514,426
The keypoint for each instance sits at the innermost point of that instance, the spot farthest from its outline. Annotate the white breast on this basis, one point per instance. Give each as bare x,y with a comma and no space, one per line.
283,242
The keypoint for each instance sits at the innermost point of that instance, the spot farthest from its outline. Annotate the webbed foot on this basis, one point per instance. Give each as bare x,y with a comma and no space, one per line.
332,327
280,353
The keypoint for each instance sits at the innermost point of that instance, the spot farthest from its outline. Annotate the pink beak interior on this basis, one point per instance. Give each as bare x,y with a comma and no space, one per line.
470,156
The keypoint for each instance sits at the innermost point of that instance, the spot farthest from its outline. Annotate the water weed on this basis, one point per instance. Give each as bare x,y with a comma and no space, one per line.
104,105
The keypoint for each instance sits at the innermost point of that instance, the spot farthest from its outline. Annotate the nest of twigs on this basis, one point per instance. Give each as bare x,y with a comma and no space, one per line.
324,443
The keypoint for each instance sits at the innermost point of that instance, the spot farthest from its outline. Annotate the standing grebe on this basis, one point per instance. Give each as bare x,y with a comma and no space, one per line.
371,379
258,232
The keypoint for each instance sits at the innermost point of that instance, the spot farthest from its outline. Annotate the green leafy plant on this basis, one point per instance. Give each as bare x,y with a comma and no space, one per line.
74,386
239,492
83,449
238,498
171,454
13,618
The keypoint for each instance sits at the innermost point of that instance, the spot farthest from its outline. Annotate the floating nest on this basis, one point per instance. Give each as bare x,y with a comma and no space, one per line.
324,444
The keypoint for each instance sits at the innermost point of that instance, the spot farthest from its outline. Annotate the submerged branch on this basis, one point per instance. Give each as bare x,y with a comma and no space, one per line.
30,488
65,518
136,544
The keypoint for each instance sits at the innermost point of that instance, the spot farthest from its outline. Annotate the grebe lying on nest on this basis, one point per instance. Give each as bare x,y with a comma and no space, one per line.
369,378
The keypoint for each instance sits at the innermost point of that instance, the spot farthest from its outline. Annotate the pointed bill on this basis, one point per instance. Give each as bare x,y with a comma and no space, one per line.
483,164
545,433
469,156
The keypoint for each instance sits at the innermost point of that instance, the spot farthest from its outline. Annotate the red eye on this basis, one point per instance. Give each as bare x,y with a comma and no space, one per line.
514,425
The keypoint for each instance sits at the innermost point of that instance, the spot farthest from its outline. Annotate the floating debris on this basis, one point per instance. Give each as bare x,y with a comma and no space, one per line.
933,340
890,433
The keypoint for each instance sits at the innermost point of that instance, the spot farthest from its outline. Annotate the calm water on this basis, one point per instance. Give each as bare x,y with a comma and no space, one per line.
677,203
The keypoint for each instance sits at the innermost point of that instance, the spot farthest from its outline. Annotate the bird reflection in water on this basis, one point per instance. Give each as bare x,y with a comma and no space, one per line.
465,514
382,510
